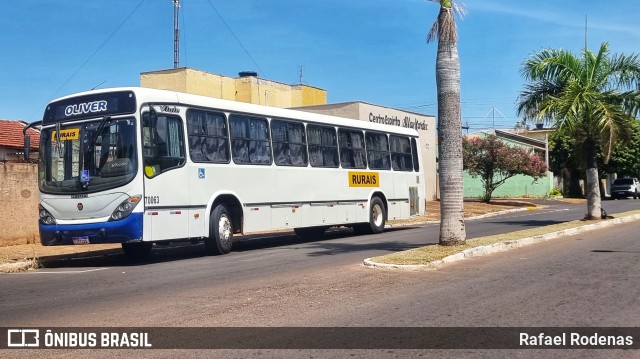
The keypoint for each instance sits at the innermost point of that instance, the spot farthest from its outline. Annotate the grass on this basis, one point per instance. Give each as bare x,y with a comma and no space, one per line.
435,252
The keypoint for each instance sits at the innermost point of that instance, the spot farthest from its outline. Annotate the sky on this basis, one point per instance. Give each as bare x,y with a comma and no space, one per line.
359,50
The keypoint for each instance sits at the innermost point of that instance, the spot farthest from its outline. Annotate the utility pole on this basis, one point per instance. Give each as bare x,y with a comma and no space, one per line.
493,117
176,34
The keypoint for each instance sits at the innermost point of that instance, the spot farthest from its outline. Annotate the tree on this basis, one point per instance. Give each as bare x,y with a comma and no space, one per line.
593,99
495,162
625,160
452,228
564,160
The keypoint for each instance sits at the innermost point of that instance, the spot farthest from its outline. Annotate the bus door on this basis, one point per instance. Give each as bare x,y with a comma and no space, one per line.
166,190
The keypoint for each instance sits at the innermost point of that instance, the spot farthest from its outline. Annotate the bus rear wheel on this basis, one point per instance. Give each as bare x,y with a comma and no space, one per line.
137,250
377,218
220,237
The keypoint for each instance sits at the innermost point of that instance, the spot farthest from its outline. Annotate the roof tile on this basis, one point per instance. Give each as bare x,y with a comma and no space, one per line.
11,134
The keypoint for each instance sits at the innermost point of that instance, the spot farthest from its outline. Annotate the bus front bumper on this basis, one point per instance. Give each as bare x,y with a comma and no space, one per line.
125,230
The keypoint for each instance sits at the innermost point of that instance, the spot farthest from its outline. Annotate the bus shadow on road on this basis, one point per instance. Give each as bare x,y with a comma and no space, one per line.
329,248
185,250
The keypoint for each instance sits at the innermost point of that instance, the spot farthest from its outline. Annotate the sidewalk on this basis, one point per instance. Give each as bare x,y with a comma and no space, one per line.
432,257
16,258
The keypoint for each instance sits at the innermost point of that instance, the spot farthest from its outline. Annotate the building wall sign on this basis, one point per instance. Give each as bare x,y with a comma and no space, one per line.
407,122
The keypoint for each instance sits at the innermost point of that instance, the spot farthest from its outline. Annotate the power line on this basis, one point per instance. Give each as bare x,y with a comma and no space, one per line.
98,49
234,35
53,95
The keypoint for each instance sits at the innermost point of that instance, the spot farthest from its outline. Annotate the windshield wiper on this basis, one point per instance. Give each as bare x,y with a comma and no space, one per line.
57,139
99,130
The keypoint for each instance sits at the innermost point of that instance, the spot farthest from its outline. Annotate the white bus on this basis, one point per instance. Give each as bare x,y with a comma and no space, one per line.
137,166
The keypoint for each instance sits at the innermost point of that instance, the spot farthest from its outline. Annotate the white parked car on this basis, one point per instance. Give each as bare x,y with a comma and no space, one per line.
625,187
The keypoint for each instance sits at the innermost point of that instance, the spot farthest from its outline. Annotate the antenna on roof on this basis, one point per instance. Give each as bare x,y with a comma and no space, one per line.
176,34
94,87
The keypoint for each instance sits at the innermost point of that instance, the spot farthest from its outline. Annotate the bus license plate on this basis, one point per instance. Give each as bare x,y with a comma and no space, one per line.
80,240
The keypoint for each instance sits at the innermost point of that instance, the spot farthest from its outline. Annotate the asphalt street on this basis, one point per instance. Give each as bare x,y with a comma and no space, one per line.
583,280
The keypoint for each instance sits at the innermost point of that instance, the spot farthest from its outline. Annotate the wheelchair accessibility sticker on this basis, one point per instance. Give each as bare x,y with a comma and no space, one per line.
201,173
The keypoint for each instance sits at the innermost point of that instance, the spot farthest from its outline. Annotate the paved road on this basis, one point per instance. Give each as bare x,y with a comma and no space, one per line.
585,280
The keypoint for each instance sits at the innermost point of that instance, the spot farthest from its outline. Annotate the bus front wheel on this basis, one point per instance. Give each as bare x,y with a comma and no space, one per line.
220,237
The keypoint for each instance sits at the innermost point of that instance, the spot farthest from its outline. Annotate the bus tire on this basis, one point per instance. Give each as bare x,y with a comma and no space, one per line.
137,250
220,237
377,218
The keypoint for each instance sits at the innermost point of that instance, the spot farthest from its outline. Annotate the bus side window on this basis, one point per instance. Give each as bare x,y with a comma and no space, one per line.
323,147
378,151
352,151
208,136
401,153
289,143
250,142
414,153
164,147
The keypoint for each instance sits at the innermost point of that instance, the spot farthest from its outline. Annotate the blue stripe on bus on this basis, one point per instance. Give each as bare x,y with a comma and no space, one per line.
125,230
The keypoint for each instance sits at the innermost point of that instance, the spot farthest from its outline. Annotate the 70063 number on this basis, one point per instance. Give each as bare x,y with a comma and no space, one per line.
151,199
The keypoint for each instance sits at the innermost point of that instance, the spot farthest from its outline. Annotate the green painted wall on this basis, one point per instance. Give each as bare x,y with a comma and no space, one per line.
517,186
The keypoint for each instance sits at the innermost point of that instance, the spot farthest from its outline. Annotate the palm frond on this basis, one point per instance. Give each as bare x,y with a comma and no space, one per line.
626,70
444,28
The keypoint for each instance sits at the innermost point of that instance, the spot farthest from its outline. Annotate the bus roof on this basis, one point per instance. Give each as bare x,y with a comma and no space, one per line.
156,96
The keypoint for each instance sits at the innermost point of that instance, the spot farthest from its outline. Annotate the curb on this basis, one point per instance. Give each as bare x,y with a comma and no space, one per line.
502,246
22,266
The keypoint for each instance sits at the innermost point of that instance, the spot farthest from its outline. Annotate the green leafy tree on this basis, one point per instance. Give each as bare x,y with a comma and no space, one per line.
452,227
565,161
625,160
495,162
592,98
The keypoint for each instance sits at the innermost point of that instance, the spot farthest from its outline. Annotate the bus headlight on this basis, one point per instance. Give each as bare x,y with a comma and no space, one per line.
45,216
125,208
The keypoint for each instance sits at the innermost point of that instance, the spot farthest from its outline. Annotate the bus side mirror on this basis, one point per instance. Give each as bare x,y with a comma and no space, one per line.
27,146
27,138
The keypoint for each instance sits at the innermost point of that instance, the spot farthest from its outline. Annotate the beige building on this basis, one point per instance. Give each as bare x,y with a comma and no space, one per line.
424,124
248,87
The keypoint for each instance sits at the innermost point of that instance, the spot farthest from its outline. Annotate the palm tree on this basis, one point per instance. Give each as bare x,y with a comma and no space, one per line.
452,228
593,98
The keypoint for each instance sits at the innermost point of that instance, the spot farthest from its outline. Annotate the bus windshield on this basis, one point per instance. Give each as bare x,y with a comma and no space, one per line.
87,157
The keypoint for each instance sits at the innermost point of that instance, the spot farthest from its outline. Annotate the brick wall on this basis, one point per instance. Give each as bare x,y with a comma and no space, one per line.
18,203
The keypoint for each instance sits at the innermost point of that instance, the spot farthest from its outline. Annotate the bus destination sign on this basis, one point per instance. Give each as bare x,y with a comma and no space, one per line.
99,104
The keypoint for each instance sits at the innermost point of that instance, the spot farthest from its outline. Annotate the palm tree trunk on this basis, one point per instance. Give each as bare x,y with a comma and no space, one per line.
592,187
452,227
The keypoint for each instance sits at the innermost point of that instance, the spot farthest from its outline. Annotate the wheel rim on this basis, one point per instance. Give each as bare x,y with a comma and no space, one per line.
224,229
376,215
